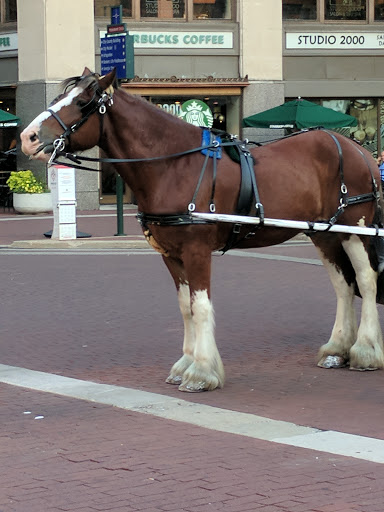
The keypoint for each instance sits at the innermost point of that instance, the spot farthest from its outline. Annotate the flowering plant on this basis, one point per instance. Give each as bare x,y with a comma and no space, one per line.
24,182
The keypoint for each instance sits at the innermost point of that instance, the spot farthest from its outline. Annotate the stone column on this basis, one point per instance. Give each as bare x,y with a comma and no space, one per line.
261,58
55,41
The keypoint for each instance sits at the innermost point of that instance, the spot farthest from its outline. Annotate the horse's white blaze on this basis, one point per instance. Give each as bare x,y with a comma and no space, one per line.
189,328
204,322
35,125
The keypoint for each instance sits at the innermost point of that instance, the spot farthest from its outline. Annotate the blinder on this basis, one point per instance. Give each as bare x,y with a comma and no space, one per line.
98,103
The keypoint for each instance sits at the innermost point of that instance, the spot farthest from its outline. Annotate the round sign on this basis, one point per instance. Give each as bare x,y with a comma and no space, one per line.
196,112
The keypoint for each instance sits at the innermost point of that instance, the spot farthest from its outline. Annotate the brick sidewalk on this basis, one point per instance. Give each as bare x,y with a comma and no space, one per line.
87,457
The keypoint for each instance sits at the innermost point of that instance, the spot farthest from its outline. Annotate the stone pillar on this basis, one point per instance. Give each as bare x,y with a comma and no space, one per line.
261,58
55,41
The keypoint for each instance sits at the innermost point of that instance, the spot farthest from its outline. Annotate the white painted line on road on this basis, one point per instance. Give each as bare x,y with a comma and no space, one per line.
76,252
78,216
278,257
5,250
214,418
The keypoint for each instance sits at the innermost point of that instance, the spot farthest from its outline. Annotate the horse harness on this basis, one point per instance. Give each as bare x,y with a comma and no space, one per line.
249,194
211,147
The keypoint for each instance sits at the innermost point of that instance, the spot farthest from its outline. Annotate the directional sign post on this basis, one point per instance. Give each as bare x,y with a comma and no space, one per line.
116,47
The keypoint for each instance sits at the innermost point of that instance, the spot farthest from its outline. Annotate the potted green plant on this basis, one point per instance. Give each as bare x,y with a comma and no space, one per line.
30,194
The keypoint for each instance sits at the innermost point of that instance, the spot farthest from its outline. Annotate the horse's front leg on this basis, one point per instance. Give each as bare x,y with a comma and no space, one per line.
200,368
177,272
206,372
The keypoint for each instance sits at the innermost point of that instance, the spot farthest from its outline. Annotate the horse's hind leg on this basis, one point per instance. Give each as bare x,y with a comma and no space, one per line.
367,352
335,353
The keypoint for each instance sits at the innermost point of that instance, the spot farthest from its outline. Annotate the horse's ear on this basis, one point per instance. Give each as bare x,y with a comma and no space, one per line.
108,80
86,72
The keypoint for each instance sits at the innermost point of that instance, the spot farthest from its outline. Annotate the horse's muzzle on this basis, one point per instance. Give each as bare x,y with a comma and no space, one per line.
33,147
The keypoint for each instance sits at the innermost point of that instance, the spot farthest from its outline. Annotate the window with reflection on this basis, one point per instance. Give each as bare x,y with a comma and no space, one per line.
217,9
379,10
345,10
9,11
103,7
299,10
165,9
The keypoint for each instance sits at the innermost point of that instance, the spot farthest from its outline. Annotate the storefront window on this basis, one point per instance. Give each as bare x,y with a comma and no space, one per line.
165,9
205,9
103,7
8,11
366,111
299,10
379,10
381,147
169,9
345,10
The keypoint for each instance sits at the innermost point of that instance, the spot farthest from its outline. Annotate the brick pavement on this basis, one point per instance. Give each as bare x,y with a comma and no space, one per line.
85,457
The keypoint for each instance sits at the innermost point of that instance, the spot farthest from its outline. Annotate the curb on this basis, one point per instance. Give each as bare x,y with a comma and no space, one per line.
80,244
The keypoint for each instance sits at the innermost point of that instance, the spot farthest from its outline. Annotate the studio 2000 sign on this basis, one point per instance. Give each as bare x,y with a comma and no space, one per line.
335,40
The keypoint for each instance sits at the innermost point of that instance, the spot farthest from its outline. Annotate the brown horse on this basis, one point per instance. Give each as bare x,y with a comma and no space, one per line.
311,176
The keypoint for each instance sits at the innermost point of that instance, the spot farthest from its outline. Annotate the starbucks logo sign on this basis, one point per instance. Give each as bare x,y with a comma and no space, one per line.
196,112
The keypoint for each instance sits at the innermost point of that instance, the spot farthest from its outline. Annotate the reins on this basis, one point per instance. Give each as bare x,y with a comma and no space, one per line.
77,160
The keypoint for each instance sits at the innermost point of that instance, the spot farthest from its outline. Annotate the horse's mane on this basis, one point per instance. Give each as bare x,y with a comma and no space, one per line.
80,81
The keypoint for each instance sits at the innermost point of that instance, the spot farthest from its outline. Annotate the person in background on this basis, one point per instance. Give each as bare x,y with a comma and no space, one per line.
380,163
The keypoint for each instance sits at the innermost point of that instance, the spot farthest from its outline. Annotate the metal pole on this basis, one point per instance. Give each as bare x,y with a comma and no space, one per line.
293,224
119,205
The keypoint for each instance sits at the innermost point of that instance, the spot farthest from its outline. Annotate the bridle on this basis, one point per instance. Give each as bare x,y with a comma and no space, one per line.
98,103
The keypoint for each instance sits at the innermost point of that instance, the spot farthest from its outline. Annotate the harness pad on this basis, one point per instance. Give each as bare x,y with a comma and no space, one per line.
207,139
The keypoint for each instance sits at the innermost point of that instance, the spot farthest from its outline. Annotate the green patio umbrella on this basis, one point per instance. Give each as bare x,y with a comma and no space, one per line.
299,114
8,120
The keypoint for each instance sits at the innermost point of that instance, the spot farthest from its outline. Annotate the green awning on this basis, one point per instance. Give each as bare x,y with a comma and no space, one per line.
8,120
299,114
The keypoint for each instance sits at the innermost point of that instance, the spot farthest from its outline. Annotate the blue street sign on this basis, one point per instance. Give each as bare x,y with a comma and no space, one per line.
116,14
117,52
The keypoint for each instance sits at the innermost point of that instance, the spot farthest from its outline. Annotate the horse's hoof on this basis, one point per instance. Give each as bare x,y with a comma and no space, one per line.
176,380
332,362
369,369
198,387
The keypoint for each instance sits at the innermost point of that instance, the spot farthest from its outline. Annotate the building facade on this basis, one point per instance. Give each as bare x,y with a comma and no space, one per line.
239,57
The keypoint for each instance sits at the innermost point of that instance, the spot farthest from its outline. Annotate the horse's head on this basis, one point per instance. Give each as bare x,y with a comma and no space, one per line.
72,120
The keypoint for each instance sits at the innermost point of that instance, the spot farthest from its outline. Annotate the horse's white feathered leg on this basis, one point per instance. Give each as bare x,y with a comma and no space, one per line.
175,377
207,371
367,352
335,353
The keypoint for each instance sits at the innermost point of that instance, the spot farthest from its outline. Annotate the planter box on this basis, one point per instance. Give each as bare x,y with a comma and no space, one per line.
33,203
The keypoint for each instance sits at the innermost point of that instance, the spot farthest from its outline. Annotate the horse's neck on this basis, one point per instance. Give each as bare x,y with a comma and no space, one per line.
138,129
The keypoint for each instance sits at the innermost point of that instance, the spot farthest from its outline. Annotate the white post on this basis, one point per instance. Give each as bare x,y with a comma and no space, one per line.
61,180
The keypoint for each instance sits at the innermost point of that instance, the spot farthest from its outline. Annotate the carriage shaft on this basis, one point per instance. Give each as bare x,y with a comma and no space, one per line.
292,224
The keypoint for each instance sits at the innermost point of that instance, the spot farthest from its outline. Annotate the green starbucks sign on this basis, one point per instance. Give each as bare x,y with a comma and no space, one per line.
196,112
